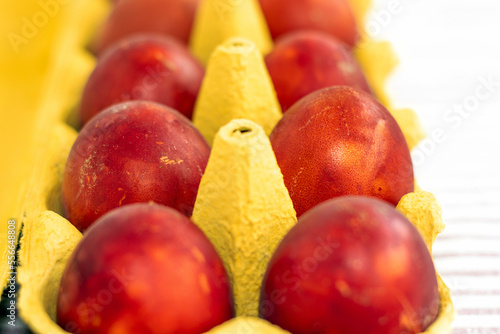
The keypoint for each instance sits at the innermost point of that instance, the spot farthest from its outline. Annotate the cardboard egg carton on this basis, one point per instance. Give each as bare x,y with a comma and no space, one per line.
241,152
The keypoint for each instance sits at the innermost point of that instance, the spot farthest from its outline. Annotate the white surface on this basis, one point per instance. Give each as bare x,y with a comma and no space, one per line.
448,48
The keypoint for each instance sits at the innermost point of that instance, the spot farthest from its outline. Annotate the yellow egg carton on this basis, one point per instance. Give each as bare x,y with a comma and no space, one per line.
242,188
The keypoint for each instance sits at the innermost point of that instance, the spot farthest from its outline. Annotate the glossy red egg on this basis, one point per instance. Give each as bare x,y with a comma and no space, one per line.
144,268
334,17
341,141
143,67
304,61
351,265
166,17
132,152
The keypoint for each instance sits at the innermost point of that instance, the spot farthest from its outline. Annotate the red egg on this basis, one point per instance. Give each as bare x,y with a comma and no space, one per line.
351,265
304,61
166,17
341,141
334,17
132,152
143,67
144,268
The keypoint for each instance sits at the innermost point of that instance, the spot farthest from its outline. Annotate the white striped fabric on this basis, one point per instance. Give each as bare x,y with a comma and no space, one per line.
450,74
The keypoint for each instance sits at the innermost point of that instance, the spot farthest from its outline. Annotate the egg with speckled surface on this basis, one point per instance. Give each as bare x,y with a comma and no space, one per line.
136,151
144,268
341,141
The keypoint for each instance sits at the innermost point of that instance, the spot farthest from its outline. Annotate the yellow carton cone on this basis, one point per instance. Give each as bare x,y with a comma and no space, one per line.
360,9
218,20
424,212
244,208
48,239
46,246
410,125
378,60
247,325
236,85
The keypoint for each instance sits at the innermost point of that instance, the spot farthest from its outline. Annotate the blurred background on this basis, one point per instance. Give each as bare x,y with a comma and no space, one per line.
449,73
